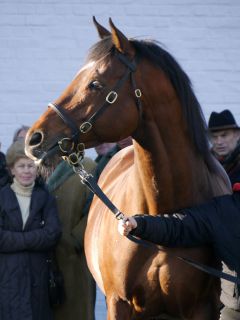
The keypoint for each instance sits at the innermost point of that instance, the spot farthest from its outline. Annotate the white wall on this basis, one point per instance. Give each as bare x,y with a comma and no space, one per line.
43,43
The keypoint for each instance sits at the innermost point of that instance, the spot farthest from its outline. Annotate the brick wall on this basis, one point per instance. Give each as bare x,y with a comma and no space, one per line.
43,43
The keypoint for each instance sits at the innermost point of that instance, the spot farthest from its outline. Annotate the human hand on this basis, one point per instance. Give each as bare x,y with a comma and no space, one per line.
126,225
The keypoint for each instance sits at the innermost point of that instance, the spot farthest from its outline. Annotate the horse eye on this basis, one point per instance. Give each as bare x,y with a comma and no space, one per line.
95,85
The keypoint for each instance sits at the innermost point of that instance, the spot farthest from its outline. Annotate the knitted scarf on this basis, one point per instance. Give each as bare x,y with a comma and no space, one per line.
23,195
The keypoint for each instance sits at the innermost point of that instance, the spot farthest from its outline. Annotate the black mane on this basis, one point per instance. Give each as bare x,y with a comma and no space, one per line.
180,81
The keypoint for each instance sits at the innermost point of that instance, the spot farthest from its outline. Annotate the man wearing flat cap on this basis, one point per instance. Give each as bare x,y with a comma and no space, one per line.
224,134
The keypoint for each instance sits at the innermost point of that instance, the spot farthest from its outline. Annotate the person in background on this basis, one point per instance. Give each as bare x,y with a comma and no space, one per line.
29,229
216,223
109,154
80,287
103,149
4,174
225,138
20,133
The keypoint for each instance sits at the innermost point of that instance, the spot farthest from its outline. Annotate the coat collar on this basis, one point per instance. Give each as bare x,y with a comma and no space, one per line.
62,172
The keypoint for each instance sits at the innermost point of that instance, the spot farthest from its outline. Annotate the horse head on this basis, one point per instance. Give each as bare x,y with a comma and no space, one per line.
101,104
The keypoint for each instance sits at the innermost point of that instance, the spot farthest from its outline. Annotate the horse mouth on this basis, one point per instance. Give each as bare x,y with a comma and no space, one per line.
37,149
44,161
35,154
41,160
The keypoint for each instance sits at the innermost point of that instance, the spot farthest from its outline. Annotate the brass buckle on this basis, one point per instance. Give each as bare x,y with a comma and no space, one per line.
138,93
111,97
61,142
85,127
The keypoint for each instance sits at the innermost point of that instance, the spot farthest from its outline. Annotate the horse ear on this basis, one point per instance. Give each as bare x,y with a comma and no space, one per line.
103,33
120,41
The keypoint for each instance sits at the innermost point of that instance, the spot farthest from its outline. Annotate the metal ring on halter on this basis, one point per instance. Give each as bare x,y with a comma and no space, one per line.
138,93
73,158
60,144
111,97
85,127
81,147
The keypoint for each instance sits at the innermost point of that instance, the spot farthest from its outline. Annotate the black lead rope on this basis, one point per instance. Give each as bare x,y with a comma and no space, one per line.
90,182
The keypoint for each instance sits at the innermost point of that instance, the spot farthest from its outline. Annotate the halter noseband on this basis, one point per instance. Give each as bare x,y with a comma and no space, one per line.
72,142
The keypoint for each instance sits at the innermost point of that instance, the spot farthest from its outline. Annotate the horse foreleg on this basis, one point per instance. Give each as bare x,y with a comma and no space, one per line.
118,309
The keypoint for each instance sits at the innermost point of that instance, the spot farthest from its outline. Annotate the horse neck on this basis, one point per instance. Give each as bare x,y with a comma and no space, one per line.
164,152
167,179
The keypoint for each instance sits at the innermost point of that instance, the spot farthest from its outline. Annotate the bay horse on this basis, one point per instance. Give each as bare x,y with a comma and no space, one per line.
136,88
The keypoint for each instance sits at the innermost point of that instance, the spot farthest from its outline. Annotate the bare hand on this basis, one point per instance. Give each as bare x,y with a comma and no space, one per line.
126,225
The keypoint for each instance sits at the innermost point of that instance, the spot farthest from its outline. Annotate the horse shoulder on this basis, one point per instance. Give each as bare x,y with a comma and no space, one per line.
117,169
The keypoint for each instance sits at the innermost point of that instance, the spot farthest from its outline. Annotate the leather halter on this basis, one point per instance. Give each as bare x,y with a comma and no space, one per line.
88,124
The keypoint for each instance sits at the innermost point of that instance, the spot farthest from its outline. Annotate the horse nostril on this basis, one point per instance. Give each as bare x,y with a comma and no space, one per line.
36,139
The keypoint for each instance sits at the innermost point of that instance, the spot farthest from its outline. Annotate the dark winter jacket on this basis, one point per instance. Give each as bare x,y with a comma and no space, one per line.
216,223
4,174
23,254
